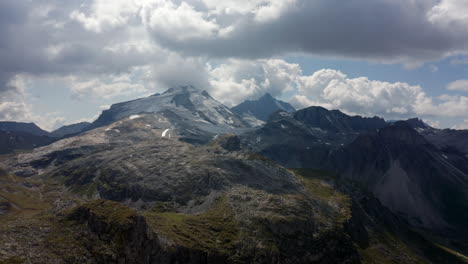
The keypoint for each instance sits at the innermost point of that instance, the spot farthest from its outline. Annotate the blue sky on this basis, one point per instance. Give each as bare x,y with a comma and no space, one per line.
64,62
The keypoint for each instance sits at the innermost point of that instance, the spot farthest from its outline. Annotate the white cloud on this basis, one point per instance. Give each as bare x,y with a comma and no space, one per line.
449,12
179,22
463,125
238,80
459,85
334,89
107,87
106,13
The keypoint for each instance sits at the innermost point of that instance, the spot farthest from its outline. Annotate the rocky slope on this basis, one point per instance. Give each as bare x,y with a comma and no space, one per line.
207,204
410,176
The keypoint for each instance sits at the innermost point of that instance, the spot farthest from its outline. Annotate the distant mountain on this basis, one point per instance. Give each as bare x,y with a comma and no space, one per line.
442,138
263,107
409,175
18,140
304,139
336,121
186,106
30,128
69,129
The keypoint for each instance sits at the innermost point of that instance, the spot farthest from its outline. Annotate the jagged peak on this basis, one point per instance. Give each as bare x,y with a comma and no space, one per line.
267,96
417,123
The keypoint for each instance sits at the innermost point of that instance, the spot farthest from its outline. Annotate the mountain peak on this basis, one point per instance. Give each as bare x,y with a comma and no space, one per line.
182,89
263,107
267,96
417,123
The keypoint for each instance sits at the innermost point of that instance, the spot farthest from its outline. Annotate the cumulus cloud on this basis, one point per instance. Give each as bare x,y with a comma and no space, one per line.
333,89
359,95
181,22
238,80
459,85
450,12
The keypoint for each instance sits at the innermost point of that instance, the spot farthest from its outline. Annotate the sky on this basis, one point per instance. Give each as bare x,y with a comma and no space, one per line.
64,61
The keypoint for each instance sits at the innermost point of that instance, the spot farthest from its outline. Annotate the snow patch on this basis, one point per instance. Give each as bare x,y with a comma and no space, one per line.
134,117
283,127
165,132
445,157
148,125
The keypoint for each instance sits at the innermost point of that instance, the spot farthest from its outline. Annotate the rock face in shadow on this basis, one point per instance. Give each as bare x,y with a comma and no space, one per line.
20,141
408,175
307,138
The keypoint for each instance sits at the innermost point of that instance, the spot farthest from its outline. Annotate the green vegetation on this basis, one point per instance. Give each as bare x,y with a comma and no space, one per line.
318,183
455,253
24,195
389,249
214,231
109,211
12,260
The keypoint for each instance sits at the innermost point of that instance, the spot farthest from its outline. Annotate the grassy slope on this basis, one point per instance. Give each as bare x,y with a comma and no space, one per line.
214,231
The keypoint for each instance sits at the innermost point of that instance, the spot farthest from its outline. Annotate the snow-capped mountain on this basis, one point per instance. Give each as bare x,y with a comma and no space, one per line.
263,107
185,105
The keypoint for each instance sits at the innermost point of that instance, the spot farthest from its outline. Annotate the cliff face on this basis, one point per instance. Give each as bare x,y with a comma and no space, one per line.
119,226
217,236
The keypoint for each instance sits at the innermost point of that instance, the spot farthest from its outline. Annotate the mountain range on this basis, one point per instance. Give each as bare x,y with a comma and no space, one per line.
178,177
